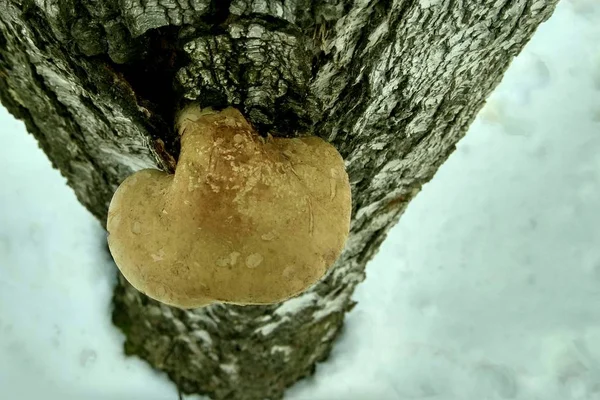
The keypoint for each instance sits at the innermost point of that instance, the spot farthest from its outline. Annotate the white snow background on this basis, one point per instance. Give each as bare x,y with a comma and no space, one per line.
488,288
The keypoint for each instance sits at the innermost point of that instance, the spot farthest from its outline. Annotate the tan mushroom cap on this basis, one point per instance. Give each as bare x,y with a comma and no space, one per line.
243,220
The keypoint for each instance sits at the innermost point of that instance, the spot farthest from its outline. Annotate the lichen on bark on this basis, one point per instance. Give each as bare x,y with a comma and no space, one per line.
392,84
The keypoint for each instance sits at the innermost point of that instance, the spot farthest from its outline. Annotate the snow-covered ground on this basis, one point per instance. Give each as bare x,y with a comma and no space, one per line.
489,287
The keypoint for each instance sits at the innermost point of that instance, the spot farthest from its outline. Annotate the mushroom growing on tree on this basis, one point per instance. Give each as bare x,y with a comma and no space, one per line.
393,85
244,219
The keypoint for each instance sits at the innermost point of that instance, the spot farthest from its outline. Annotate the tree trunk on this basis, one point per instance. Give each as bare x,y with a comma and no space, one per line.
393,84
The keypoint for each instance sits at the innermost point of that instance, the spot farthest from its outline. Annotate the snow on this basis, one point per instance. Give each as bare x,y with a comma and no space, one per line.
56,281
488,288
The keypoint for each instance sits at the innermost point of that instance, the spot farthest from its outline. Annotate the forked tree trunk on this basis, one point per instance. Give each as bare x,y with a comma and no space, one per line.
393,84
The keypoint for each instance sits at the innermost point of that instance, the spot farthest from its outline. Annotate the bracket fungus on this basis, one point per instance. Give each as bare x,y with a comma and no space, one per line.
244,219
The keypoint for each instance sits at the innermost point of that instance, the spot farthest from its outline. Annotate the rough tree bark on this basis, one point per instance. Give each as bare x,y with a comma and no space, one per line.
393,84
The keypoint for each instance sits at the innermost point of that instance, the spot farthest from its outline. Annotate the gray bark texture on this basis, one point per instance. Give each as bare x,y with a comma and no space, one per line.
393,84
